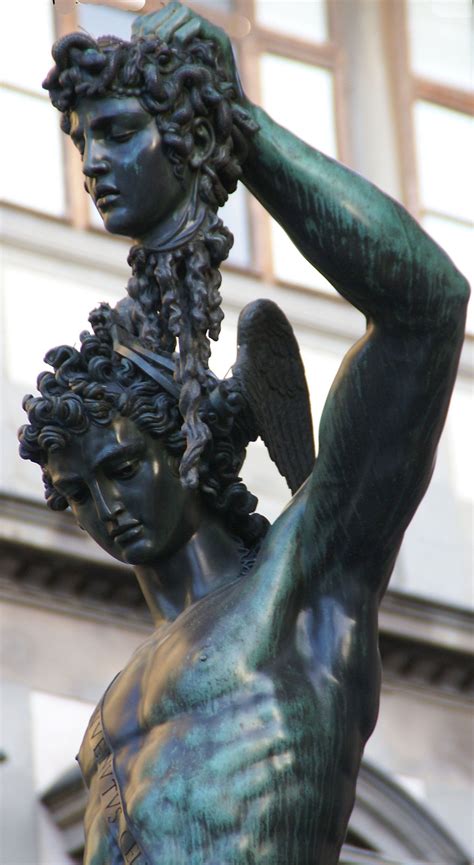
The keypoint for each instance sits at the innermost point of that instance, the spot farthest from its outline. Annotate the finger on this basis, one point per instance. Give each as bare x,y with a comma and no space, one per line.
179,17
152,23
147,24
165,23
188,31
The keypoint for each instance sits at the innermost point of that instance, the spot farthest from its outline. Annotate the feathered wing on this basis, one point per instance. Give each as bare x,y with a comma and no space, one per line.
272,378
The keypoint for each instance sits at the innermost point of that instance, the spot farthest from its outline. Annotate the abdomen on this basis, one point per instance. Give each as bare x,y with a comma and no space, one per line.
246,780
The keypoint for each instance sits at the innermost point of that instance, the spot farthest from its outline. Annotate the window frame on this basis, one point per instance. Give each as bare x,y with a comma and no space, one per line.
249,49
410,88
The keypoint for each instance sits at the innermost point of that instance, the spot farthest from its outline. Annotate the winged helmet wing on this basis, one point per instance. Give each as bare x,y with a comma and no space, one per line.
273,382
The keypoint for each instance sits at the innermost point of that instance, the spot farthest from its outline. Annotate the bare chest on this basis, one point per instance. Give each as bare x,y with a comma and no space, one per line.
208,728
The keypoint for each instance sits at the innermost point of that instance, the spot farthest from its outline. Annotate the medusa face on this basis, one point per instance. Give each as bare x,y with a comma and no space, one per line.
122,489
128,176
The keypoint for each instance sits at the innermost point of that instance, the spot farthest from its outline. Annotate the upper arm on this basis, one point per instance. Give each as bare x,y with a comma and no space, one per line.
377,444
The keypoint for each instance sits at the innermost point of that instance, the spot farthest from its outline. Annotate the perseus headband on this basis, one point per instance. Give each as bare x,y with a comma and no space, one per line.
159,367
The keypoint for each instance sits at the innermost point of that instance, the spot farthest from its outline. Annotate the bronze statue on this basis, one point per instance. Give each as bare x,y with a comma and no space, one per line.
235,733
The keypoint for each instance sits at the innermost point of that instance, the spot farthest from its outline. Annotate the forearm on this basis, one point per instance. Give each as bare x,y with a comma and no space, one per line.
367,245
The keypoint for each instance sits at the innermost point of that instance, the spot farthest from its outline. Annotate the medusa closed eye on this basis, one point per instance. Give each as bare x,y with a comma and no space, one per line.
121,137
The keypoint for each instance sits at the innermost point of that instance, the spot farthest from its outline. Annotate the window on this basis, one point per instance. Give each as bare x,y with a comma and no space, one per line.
443,127
34,139
303,61
278,45
290,66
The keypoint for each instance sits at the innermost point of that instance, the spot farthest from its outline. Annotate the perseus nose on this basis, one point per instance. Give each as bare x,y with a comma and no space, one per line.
108,505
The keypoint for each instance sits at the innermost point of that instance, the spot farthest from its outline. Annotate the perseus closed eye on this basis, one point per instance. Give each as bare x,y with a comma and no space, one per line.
123,470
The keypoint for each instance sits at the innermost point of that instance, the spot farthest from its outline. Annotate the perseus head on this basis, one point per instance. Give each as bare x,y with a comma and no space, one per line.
106,430
156,124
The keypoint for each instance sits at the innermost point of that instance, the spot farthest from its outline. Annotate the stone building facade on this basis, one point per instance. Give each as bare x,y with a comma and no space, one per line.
70,617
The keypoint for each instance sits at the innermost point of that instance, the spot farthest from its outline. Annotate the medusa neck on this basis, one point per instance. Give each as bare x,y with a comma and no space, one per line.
180,227
210,559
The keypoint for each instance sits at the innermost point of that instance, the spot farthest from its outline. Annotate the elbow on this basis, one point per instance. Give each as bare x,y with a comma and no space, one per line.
439,291
457,299
447,299
461,289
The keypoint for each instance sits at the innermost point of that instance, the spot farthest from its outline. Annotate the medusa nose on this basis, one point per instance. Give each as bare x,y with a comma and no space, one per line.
94,161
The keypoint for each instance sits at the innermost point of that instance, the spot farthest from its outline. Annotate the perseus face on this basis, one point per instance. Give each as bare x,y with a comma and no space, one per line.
121,488
128,176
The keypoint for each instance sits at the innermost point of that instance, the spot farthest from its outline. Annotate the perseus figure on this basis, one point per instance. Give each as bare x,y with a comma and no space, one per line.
235,733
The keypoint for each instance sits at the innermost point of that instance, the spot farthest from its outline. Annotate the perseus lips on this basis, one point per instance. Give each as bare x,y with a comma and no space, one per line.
127,532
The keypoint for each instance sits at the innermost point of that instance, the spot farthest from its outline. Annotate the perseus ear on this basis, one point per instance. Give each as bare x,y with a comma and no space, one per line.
204,142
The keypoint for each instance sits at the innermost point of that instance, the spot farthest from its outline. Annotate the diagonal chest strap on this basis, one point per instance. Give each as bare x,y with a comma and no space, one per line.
113,809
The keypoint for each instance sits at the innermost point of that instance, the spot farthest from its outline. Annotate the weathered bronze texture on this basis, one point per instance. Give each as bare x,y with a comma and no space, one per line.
235,733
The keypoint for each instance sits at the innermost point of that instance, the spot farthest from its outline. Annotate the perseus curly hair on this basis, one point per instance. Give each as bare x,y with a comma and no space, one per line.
95,384
175,290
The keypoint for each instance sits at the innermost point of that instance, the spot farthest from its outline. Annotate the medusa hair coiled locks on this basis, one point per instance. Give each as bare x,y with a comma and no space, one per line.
175,292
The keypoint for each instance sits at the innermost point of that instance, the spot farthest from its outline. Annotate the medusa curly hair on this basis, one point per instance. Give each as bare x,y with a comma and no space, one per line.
174,83
95,384
174,290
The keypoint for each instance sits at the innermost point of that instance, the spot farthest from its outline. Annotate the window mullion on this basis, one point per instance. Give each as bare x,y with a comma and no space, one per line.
77,204
297,49
450,97
249,50
395,29
341,79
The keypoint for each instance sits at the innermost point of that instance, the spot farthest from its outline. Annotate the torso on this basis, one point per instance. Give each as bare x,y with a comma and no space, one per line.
233,731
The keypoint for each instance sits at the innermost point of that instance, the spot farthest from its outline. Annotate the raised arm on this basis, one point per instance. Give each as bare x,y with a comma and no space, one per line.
387,406
386,409
365,243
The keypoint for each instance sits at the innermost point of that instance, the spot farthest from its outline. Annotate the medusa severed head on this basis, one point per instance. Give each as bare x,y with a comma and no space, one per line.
183,89
163,139
106,391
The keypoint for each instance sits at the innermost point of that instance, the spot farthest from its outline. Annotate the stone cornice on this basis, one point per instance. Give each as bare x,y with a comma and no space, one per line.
311,312
46,561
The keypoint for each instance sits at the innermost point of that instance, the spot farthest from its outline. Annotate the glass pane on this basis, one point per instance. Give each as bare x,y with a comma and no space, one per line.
285,85
105,21
235,215
218,5
25,62
290,266
302,18
445,144
69,303
457,239
35,161
441,40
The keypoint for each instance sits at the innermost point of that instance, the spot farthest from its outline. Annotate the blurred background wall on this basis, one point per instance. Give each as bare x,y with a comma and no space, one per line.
386,87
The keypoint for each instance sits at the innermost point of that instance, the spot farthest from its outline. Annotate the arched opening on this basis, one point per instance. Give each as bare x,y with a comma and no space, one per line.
394,825
387,825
